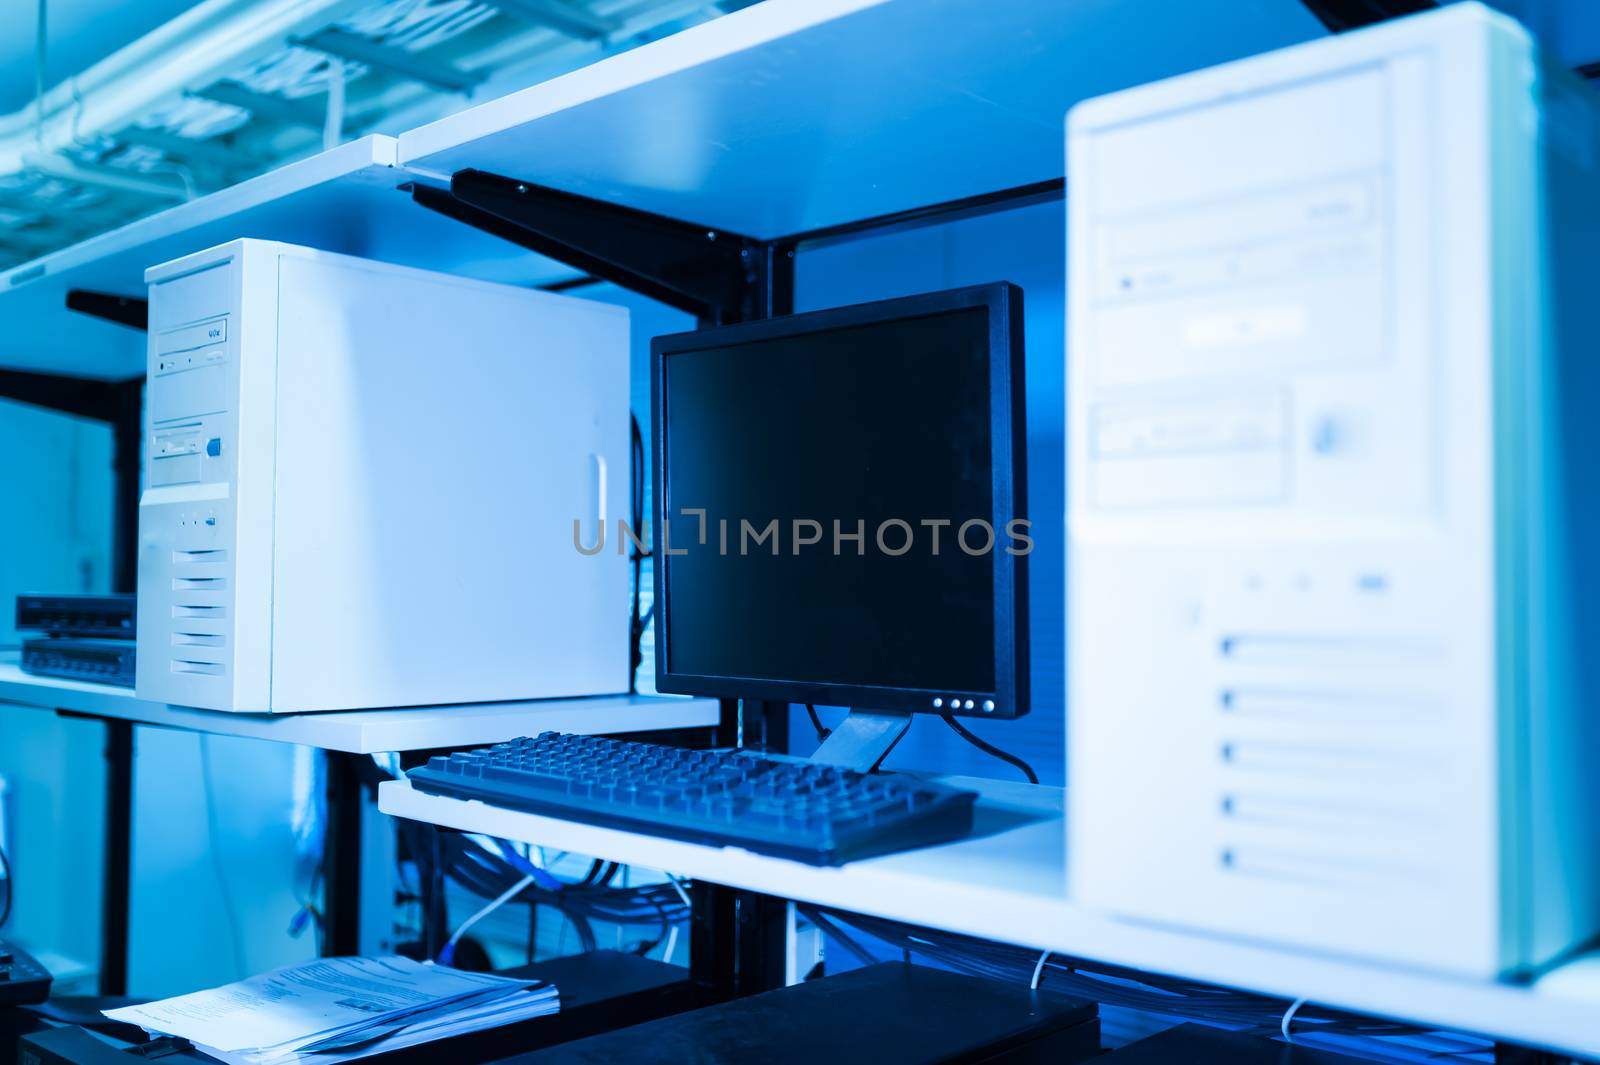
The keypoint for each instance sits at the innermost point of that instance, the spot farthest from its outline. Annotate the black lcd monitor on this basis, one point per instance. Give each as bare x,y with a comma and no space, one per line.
840,508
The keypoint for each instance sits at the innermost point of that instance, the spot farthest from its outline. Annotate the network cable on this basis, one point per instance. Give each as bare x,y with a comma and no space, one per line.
506,876
448,954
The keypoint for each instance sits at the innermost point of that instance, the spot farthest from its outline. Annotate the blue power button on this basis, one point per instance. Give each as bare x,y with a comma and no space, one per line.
214,446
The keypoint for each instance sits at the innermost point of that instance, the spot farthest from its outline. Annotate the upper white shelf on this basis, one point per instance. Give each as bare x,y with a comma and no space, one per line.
783,117
1007,882
793,115
412,728
343,200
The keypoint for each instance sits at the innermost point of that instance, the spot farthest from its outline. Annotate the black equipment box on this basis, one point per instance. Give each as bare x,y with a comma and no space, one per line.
77,615
893,1012
102,661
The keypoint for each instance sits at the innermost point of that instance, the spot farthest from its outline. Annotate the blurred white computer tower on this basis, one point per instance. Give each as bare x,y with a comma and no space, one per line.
362,482
1332,460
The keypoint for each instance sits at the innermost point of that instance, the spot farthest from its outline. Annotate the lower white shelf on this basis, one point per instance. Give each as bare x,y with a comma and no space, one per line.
1007,883
411,728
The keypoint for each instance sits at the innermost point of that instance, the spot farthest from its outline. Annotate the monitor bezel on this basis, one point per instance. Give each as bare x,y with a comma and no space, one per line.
1008,450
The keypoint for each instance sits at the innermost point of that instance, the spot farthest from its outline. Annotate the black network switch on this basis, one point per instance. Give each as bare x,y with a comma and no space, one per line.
77,615
103,661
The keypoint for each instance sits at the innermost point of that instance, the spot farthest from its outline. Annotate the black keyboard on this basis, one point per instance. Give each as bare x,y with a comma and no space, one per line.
819,814
23,981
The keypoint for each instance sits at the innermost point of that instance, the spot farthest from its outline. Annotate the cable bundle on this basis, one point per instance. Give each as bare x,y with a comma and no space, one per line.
506,876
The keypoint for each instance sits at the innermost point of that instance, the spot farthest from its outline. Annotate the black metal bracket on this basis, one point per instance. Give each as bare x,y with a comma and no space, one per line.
717,276
1508,1054
84,397
1051,190
1342,15
123,310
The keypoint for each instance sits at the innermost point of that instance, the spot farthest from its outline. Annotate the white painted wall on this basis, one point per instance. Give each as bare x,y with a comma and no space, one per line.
214,874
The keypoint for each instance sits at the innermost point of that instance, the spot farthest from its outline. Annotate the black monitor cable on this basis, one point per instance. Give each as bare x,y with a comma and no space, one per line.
991,749
816,723
5,870
637,624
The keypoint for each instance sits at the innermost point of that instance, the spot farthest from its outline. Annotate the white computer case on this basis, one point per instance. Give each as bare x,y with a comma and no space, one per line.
362,482
1331,638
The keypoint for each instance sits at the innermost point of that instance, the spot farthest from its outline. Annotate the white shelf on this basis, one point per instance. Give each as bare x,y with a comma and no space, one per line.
783,117
344,200
412,728
792,115
1007,883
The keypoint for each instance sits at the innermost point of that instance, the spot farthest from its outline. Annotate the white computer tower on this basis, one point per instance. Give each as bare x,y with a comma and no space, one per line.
361,484
1332,465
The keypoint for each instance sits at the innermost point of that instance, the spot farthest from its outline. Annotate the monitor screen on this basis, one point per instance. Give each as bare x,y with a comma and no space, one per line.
828,490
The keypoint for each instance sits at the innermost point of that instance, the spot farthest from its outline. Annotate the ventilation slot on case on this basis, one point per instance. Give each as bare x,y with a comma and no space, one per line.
195,610
1327,869
1337,707
1331,651
1322,760
209,669
200,556
199,584
196,639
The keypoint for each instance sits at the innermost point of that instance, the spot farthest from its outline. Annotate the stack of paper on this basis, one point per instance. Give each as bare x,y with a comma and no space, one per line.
338,1009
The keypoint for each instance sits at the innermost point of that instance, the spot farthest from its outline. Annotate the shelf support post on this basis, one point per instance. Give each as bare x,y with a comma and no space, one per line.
341,855
116,878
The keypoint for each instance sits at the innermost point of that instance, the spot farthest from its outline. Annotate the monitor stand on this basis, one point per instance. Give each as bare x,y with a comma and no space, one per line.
862,740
